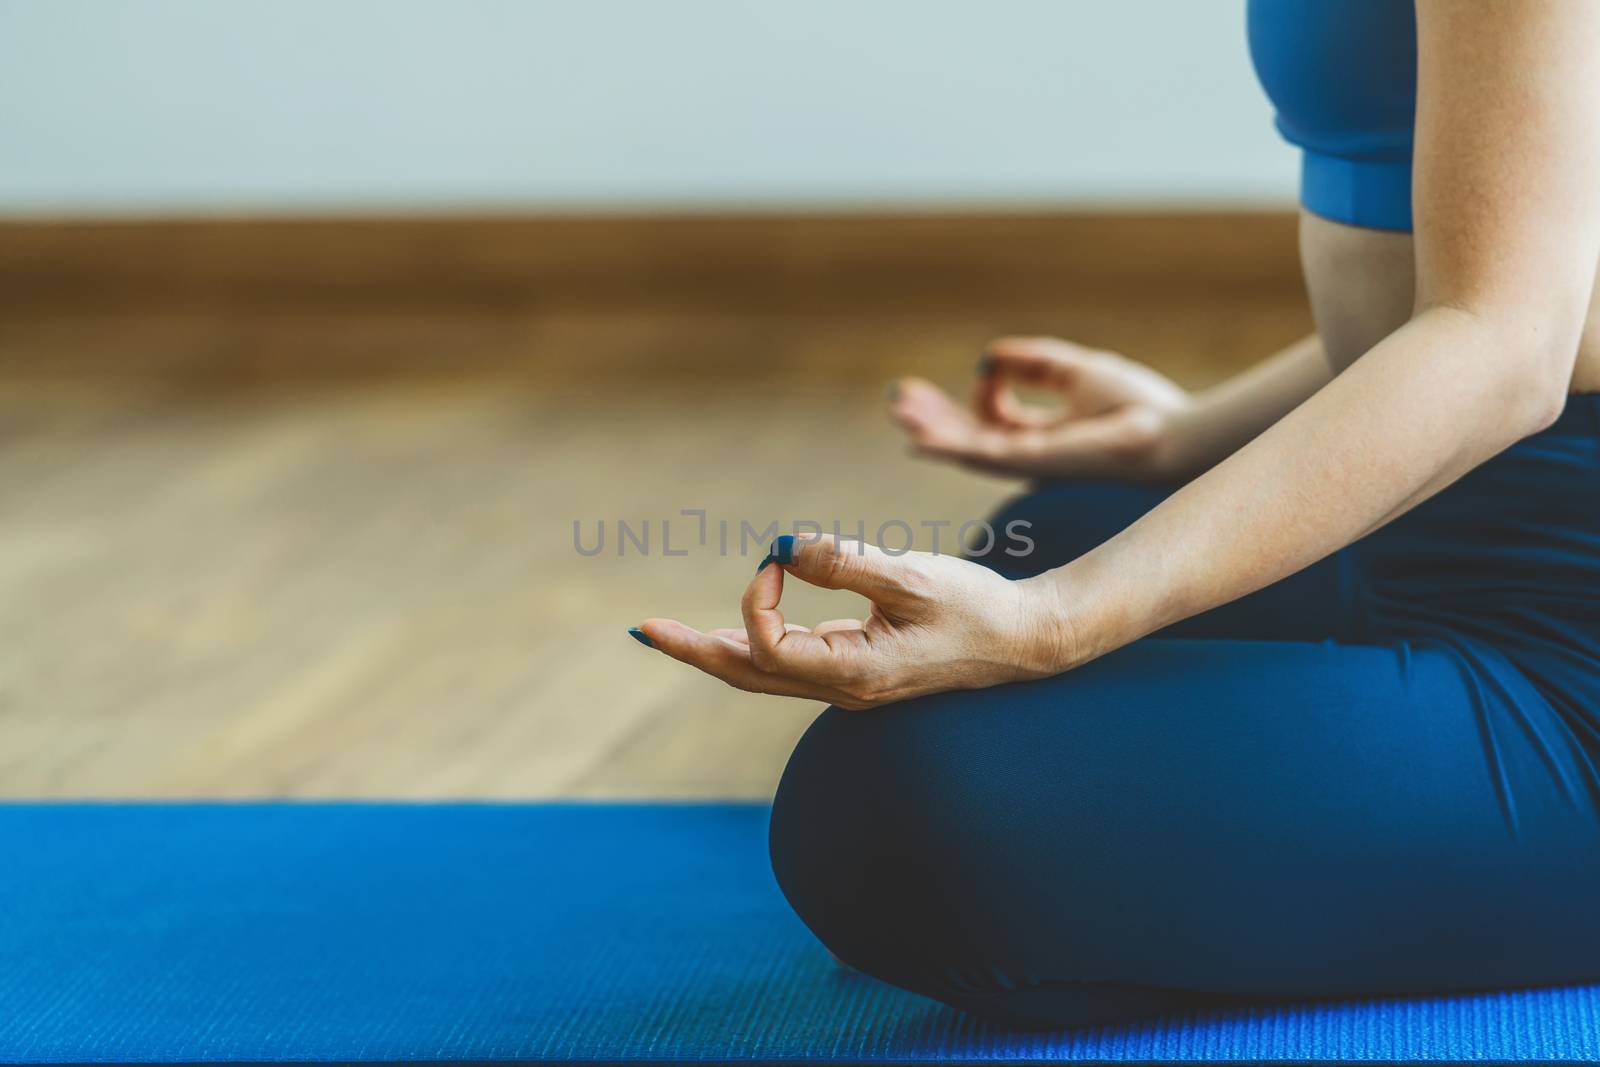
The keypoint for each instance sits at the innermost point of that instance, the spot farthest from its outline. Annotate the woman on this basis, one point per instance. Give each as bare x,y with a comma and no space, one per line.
1315,710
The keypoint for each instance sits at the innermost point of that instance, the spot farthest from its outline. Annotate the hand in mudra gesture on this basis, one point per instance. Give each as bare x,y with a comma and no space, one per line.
937,623
1115,420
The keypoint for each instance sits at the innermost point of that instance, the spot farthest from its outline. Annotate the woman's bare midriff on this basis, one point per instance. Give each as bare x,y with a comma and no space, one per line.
1362,283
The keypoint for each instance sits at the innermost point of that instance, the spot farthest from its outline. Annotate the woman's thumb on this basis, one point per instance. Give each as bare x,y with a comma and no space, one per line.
839,563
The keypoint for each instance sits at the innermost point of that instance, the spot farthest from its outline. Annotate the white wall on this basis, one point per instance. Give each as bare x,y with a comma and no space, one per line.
198,105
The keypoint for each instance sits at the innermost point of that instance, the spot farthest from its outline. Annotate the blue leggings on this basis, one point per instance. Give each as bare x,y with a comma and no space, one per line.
1375,777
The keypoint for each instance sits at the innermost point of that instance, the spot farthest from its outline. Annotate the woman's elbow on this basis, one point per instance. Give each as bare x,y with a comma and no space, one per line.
1546,377
1537,353
1545,408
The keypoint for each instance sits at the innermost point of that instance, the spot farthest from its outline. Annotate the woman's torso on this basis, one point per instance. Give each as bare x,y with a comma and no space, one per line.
1342,75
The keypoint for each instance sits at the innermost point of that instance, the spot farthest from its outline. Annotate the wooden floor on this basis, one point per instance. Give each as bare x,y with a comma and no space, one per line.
240,583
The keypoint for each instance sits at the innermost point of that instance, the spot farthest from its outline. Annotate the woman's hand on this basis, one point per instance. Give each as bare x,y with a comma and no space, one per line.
937,623
1117,419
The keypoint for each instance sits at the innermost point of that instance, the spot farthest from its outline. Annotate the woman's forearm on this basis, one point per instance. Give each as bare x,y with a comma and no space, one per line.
1226,416
1436,398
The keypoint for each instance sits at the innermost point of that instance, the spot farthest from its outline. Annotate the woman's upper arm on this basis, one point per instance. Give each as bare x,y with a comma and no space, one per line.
1506,179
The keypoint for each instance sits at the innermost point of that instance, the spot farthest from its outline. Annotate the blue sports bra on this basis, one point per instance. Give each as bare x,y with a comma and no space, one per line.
1343,77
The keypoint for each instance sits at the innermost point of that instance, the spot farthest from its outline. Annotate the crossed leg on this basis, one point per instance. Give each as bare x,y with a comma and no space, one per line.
1212,815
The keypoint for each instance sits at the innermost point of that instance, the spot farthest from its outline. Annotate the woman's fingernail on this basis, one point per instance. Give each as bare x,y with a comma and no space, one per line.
891,392
782,550
641,637
985,364
763,564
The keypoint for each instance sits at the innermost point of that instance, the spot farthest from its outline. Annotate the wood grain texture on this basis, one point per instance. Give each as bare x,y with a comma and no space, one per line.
273,533
711,262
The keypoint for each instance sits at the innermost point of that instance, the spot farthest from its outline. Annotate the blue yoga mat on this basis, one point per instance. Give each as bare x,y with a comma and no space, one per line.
559,932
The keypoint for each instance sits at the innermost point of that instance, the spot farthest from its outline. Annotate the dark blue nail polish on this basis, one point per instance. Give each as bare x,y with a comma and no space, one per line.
985,365
763,564
641,637
783,549
891,392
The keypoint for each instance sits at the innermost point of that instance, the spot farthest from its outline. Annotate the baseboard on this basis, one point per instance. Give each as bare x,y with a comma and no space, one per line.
711,262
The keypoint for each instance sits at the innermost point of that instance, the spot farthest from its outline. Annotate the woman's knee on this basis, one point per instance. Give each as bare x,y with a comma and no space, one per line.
834,808
890,838
861,837
939,844
881,835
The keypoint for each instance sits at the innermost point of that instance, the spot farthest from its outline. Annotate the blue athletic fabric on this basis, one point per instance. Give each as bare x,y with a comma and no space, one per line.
544,933
1343,77
1376,777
